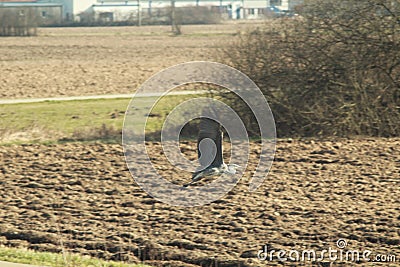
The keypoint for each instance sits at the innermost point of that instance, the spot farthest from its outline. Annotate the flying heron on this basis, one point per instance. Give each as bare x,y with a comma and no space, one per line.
210,133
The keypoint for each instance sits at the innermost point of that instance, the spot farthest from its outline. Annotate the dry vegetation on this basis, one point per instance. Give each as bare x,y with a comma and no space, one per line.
333,71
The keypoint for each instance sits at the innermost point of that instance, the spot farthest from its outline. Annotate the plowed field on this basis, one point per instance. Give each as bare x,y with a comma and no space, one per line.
82,197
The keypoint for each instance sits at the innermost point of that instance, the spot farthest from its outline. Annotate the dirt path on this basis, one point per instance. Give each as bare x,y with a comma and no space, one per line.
317,192
70,98
10,264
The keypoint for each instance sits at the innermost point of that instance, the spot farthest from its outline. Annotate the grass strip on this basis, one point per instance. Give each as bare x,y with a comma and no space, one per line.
25,256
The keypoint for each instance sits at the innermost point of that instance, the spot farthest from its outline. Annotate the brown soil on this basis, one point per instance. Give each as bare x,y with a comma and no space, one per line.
108,60
83,197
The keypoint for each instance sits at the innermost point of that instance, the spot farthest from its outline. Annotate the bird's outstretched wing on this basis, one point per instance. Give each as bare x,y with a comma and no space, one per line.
211,129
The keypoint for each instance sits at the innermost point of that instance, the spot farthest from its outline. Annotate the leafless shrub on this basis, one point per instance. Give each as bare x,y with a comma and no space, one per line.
183,15
155,16
334,70
198,15
104,132
18,22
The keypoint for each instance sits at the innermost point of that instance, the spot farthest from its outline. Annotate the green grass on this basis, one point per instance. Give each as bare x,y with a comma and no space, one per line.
80,120
16,255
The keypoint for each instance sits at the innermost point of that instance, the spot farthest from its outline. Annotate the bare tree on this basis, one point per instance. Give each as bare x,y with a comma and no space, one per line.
176,27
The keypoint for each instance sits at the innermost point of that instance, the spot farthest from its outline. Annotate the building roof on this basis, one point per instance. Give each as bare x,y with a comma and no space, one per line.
18,1
27,3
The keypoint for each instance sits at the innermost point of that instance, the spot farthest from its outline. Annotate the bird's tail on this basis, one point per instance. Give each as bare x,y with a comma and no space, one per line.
195,178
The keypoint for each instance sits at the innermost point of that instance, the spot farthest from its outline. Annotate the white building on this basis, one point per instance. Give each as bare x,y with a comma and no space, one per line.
118,10
285,5
113,12
72,8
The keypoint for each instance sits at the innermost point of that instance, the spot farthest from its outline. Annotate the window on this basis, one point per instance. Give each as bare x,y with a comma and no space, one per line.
106,16
44,14
275,2
251,11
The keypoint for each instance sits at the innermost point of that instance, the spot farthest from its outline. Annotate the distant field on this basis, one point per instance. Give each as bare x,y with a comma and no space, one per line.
101,60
